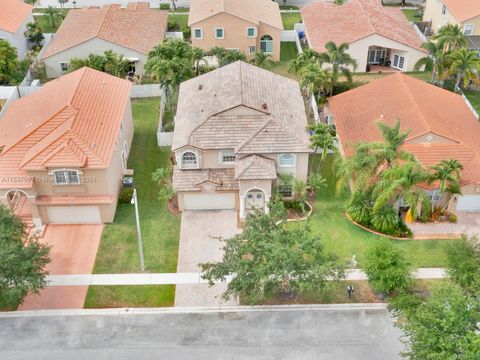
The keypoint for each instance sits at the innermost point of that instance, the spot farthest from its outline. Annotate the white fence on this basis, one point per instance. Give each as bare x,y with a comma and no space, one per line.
146,91
469,104
316,114
174,35
288,35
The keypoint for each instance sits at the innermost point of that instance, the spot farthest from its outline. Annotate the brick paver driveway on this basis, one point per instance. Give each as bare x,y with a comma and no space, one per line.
73,251
199,243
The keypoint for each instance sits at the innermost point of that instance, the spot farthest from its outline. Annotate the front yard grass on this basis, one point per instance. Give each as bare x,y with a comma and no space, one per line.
129,296
290,19
474,97
346,239
118,250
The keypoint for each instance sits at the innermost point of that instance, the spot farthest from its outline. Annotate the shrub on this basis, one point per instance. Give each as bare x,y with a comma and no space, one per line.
386,220
125,195
345,86
452,218
173,25
359,208
463,258
164,6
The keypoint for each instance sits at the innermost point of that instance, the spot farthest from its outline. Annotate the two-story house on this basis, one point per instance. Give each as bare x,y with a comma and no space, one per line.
64,149
236,128
465,13
247,25
14,17
131,31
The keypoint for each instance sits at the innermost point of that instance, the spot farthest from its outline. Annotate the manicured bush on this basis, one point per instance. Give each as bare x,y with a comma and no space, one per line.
360,209
452,218
386,221
164,6
125,195
173,25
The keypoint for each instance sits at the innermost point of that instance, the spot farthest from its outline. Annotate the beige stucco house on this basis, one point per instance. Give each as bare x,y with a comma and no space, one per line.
247,25
465,13
14,17
374,33
440,123
236,128
131,31
64,149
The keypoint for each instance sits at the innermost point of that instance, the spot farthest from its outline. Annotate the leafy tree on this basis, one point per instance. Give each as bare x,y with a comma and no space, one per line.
198,55
23,263
341,62
315,80
34,34
323,137
262,60
232,55
9,64
32,2
267,258
463,258
446,326
465,66
53,15
386,268
450,37
308,56
110,63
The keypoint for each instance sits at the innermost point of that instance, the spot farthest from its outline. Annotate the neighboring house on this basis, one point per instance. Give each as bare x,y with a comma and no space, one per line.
132,32
465,13
441,126
64,149
247,25
14,17
236,128
375,34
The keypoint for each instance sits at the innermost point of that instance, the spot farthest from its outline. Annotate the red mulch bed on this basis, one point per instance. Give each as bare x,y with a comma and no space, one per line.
172,206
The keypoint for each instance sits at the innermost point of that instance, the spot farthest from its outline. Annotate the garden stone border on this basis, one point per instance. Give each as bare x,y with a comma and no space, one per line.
300,219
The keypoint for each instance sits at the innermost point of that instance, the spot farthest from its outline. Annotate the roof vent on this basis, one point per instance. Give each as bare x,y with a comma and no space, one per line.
264,105
200,87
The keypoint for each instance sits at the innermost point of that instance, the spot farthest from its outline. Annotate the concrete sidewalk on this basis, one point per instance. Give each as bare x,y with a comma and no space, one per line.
192,278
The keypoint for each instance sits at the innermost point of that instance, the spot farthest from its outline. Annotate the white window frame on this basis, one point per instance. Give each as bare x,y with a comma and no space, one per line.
279,160
66,176
250,52
267,42
471,26
223,153
404,62
190,166
254,32
195,35
62,63
223,33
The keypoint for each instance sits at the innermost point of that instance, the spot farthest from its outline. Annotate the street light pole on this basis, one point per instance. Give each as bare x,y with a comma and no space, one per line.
139,233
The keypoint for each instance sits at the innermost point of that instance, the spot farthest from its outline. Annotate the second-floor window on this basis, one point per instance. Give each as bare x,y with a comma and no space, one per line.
219,33
266,44
198,33
64,67
227,157
468,29
251,32
189,160
66,177
286,160
444,10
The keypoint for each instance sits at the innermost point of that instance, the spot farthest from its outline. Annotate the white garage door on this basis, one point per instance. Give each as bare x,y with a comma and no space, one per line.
74,215
224,201
468,203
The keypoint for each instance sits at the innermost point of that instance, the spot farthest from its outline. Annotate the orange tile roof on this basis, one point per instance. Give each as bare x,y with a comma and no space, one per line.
135,27
12,14
422,109
355,20
71,122
463,9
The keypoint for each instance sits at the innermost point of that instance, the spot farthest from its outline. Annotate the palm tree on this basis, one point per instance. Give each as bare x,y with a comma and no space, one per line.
323,137
262,60
231,56
32,2
447,173
198,55
465,66
34,34
341,62
53,15
314,79
450,37
115,64
316,182
436,60
308,56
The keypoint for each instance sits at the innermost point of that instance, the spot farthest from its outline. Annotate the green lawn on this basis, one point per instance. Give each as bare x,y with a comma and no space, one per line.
346,239
181,19
290,19
474,98
118,250
367,77
130,296
412,15
288,7
288,51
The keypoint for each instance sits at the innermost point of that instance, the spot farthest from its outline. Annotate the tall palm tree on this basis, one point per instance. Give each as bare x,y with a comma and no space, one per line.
323,137
262,60
314,79
53,15
34,34
465,66
308,56
341,62
450,37
447,173
233,55
436,60
115,64
198,55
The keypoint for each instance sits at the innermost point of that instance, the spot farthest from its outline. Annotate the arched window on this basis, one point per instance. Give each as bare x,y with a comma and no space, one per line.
189,160
286,160
266,44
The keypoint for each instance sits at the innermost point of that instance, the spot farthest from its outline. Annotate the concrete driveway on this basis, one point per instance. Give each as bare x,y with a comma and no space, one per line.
199,243
73,251
467,223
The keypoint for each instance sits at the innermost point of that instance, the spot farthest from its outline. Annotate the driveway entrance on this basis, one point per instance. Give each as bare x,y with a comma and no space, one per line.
199,243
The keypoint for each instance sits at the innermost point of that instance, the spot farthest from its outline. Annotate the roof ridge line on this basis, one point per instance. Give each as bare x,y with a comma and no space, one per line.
102,24
412,98
255,133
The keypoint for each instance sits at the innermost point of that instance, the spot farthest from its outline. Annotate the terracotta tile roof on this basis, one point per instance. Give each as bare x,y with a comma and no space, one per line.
190,180
423,109
72,121
275,119
255,167
135,27
355,20
255,11
463,9
13,14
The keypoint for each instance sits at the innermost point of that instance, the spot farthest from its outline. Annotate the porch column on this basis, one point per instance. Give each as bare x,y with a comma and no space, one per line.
242,207
267,201
37,220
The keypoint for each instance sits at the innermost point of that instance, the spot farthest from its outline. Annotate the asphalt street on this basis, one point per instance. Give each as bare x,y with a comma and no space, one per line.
324,333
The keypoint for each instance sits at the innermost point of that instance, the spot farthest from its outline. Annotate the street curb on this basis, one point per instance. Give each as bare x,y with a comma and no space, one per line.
192,310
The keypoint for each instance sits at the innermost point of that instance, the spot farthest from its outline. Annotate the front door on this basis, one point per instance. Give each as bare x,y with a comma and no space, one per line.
255,199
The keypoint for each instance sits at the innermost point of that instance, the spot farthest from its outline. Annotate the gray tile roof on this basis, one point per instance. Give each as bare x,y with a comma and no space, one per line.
255,167
191,180
207,117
